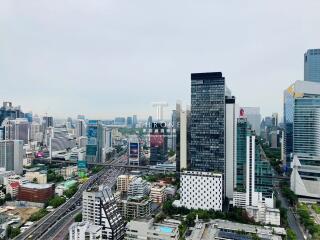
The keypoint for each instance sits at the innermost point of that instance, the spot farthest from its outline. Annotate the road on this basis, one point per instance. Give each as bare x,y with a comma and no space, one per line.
106,176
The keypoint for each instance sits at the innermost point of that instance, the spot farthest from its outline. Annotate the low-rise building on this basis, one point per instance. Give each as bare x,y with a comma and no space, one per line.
223,229
135,207
85,231
32,192
37,177
13,189
157,193
148,229
14,178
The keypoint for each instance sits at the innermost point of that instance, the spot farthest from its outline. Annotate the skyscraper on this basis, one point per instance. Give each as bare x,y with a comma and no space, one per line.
207,147
11,155
158,144
312,65
80,128
10,112
92,135
17,129
302,136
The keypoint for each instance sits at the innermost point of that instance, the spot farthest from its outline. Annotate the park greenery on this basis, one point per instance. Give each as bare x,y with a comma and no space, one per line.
170,177
38,215
12,232
78,217
56,201
291,235
289,194
71,191
307,221
316,208
52,176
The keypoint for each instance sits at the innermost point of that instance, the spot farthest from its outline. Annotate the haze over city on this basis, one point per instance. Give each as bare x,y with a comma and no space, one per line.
110,58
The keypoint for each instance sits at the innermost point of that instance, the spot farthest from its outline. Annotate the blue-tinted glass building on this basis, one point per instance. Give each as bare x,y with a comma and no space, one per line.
312,65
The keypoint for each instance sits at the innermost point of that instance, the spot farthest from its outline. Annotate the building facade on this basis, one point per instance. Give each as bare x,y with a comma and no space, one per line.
312,65
201,190
11,155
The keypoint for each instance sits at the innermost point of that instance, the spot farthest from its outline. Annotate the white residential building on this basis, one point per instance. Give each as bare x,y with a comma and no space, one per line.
38,176
138,187
85,231
123,182
201,190
99,207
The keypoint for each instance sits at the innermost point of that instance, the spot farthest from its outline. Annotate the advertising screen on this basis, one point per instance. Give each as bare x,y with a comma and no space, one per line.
134,150
156,140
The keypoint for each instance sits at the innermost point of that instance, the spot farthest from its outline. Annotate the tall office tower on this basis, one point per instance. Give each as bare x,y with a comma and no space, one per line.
35,132
80,128
254,117
159,109
11,155
47,122
158,144
80,116
129,122
275,119
134,121
10,112
253,178
230,145
149,122
312,65
36,119
107,141
92,135
120,121
17,129
100,208
29,117
134,150
172,131
178,139
207,146
302,136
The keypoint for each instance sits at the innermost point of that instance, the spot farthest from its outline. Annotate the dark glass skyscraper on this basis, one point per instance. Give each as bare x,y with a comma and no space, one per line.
207,146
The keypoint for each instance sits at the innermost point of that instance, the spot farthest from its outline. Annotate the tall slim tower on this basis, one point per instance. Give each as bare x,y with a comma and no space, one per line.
159,108
207,146
312,65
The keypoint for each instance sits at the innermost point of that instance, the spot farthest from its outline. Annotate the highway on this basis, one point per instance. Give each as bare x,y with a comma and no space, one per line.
47,223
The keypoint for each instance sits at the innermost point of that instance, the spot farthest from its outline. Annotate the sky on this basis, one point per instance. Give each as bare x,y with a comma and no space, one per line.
107,58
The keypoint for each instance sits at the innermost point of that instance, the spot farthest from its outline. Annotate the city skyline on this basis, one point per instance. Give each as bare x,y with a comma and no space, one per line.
70,59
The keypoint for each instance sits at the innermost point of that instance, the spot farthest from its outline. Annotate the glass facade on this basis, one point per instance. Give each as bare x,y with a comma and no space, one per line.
312,65
207,147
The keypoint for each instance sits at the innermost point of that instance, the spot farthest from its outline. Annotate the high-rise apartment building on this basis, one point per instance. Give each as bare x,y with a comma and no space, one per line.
100,208
11,155
85,231
312,65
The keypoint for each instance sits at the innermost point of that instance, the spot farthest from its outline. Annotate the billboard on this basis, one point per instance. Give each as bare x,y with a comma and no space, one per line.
156,139
82,164
134,150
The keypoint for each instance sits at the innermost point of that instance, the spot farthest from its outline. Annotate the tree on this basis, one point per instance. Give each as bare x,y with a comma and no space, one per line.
12,232
35,180
56,201
291,235
78,217
8,197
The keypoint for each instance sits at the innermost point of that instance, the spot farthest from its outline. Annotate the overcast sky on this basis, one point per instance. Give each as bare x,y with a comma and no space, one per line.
114,57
